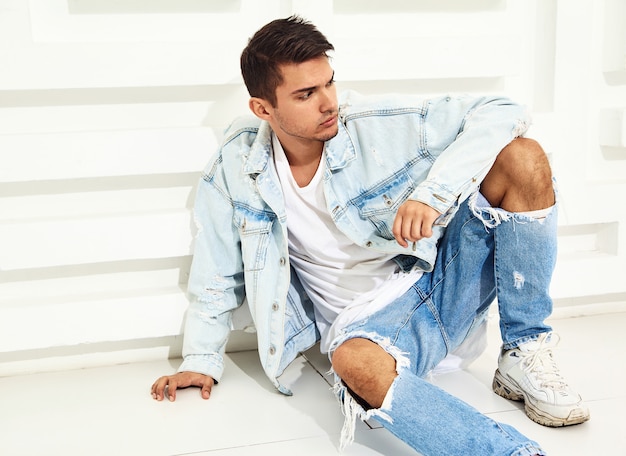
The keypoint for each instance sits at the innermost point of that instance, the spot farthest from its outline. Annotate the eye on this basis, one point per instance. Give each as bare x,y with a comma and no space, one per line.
306,95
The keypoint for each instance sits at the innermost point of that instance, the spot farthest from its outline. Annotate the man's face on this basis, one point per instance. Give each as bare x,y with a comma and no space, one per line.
306,105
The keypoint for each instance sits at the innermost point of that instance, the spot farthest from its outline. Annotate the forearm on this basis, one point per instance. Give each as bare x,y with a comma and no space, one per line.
215,287
204,342
483,128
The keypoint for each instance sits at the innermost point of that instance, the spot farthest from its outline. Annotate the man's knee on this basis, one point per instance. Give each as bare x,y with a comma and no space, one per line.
354,355
521,178
366,368
524,161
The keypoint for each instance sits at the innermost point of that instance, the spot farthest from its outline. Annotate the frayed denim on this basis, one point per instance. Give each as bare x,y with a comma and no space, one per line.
485,254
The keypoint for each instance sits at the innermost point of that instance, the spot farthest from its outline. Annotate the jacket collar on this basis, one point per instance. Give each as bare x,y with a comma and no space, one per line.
339,150
260,150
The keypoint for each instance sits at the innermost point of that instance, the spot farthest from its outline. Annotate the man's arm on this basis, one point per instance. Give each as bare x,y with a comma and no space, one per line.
466,134
215,289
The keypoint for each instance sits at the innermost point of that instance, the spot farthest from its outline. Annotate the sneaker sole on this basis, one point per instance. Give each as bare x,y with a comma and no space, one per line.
508,390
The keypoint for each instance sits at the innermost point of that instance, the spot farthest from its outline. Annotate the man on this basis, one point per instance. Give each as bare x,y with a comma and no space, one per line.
383,227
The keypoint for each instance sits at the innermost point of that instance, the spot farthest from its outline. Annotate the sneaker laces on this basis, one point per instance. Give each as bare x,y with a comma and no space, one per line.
540,363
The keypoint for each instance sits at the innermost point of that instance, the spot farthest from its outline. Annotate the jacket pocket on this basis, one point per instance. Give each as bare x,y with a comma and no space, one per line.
380,203
254,229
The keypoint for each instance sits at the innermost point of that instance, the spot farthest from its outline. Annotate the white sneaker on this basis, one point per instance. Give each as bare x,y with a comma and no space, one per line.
529,373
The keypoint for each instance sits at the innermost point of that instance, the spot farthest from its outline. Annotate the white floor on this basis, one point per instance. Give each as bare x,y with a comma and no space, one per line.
109,411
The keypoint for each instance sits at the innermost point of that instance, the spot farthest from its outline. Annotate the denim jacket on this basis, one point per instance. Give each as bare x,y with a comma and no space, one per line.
388,149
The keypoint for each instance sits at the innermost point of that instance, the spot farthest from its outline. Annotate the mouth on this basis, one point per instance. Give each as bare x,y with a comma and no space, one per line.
332,120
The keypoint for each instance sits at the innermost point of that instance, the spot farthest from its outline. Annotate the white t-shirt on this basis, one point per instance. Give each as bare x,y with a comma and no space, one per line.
345,281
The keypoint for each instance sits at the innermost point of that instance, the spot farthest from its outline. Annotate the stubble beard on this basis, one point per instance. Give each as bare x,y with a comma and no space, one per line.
298,133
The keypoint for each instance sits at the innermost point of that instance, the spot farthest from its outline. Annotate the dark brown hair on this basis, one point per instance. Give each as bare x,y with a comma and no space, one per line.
282,41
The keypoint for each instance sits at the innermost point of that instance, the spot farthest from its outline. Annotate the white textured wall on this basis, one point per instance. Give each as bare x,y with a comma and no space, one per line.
110,108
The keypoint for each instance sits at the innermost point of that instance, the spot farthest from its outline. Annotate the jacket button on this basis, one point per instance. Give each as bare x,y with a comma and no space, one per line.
275,306
282,261
272,350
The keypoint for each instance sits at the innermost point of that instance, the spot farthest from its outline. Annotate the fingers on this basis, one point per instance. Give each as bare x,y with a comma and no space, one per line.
412,231
206,389
414,221
168,385
171,388
158,388
165,386
398,230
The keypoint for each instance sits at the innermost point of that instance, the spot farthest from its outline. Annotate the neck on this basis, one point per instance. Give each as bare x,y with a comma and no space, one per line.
301,153
304,159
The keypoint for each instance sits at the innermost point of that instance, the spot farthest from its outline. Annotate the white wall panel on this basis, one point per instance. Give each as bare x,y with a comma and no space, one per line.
49,242
55,119
440,57
79,65
40,207
89,286
591,175
150,315
91,21
30,157
109,110
613,128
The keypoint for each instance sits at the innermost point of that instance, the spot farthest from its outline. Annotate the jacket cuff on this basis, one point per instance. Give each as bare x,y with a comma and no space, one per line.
435,196
211,365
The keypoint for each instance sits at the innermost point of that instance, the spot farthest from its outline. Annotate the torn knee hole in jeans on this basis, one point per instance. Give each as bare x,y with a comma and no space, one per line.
353,406
491,216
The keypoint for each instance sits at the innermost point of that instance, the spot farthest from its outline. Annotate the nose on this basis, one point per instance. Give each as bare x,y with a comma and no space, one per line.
328,100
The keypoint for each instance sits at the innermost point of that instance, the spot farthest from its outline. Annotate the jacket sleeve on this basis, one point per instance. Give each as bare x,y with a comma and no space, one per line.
215,285
466,134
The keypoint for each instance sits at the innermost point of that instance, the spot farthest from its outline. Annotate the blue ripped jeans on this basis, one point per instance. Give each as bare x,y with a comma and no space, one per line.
485,253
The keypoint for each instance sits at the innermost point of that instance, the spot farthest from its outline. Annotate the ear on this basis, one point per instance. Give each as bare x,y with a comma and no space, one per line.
260,108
